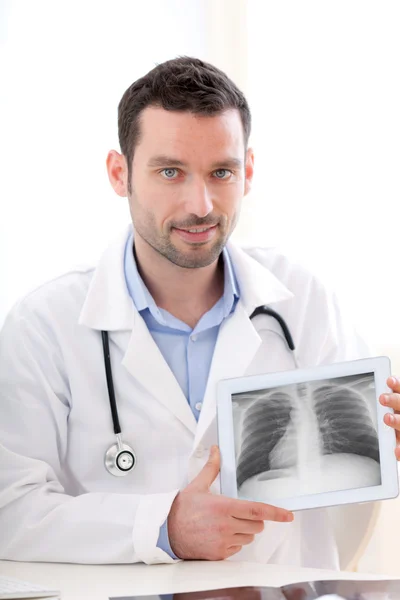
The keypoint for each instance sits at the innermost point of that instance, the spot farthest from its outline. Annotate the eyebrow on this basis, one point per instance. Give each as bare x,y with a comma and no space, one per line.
168,161
165,161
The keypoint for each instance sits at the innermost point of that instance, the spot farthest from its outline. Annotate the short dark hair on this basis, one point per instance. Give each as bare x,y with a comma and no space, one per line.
181,84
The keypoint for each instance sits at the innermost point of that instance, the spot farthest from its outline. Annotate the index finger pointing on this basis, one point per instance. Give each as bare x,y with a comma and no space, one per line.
258,511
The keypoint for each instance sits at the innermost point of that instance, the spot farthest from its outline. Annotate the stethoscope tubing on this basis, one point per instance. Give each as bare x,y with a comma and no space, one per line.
265,310
114,453
110,382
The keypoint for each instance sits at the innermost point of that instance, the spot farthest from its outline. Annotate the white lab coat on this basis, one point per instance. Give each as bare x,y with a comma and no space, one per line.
57,500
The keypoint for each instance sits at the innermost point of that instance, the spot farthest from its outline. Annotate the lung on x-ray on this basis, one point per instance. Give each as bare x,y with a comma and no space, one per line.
306,438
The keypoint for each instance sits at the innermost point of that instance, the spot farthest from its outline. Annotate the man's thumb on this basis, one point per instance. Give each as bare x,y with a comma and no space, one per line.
209,472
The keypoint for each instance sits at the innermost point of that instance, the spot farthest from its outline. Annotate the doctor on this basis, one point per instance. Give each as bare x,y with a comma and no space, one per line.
175,298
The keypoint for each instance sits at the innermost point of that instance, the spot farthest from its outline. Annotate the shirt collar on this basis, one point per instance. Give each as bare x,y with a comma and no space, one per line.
108,306
143,300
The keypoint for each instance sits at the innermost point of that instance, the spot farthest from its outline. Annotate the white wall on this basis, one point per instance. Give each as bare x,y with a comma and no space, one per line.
324,87
65,66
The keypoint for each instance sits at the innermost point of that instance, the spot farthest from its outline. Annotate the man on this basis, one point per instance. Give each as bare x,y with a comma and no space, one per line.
176,302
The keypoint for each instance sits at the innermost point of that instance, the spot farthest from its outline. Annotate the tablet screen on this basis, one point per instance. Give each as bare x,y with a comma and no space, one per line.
306,438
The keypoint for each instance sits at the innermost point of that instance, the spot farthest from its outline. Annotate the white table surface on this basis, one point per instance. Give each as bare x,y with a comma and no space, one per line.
86,582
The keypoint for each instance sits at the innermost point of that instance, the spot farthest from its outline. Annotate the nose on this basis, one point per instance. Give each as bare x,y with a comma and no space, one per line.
198,200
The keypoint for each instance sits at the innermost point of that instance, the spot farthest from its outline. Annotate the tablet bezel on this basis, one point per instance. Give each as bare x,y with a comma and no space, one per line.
379,366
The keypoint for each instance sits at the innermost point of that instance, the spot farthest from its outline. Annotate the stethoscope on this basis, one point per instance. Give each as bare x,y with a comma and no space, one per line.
120,458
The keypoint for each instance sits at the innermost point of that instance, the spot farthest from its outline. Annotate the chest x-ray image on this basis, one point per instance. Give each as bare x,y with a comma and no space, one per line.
306,438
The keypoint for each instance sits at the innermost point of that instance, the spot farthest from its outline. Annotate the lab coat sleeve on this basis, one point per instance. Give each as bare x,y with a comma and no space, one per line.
38,520
324,331
342,342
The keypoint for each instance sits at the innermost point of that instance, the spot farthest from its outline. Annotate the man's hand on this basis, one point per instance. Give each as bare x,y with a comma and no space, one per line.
393,401
204,526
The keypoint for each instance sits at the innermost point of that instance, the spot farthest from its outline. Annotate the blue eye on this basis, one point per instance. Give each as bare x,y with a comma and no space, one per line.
170,173
221,173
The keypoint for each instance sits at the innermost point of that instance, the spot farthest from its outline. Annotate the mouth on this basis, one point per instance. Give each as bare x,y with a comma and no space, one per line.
197,235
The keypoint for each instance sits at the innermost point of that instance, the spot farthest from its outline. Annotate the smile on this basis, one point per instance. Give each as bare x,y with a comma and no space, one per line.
197,229
197,234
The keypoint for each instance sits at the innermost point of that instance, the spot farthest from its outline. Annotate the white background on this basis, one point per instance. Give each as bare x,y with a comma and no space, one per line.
324,87
65,65
323,83
322,78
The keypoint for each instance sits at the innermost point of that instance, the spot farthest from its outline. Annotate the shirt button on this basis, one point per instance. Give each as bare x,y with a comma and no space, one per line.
198,405
193,338
199,453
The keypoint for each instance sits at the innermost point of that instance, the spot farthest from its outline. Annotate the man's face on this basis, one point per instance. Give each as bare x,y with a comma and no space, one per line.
188,177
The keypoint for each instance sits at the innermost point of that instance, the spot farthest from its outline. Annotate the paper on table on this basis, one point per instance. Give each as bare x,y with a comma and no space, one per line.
383,589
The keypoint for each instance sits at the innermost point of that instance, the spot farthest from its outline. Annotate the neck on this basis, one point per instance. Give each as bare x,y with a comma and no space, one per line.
185,293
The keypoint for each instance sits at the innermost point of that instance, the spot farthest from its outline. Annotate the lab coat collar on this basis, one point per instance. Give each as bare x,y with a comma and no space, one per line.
257,285
109,307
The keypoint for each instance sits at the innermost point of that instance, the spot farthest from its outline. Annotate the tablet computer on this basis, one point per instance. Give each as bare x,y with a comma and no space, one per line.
308,438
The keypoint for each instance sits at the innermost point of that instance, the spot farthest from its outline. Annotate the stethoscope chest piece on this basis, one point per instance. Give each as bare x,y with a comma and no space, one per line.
119,459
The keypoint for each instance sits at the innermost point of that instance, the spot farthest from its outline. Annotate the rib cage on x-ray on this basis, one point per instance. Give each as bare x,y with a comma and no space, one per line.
341,414
265,423
337,416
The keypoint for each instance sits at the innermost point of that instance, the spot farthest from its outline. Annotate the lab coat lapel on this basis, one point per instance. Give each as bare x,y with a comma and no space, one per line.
145,362
109,307
238,340
236,346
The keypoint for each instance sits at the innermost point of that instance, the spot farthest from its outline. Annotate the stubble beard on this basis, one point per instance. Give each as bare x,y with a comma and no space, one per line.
197,255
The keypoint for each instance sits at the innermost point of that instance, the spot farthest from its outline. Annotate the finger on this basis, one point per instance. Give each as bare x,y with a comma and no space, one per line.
258,511
397,452
392,420
394,383
208,474
247,526
296,593
390,400
242,539
233,550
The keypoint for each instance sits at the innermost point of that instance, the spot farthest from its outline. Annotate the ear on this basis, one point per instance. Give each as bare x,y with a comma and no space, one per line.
117,172
249,169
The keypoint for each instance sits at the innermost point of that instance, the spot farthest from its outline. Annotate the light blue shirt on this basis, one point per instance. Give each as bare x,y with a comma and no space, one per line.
188,352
